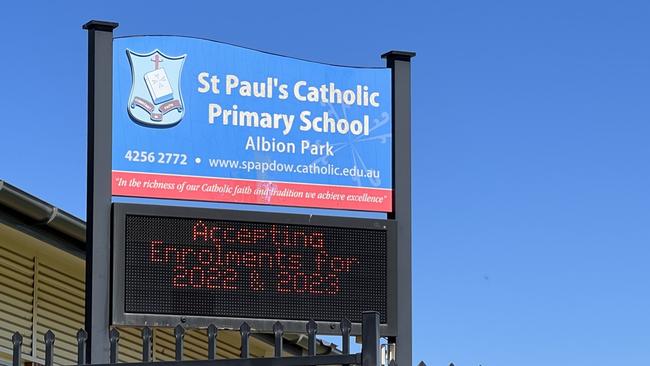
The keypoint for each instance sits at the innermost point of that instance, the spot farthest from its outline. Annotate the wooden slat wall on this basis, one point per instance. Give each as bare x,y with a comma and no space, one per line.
42,287
59,307
130,345
17,294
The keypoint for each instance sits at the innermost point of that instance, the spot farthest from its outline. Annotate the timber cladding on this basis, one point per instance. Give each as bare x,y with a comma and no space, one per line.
42,287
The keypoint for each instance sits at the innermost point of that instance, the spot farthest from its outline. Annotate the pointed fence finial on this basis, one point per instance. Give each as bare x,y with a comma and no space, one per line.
278,331
245,332
346,328
82,337
114,339
312,329
212,342
49,348
179,334
17,341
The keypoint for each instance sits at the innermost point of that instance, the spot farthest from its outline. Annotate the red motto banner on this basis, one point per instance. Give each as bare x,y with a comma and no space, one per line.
193,188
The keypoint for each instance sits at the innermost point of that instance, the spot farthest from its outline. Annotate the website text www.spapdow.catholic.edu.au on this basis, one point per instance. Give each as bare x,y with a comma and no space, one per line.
274,166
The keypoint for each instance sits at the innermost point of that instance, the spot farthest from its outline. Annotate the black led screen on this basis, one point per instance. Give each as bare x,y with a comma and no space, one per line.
243,269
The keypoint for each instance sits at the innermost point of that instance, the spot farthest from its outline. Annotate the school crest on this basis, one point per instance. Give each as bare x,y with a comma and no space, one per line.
155,99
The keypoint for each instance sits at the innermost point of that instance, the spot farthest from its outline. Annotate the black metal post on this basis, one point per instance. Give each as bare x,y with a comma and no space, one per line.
82,336
17,341
278,331
346,328
245,332
98,196
114,339
400,64
312,329
212,342
370,339
179,334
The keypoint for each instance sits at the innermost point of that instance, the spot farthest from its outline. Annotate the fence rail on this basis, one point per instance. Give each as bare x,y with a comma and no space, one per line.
369,355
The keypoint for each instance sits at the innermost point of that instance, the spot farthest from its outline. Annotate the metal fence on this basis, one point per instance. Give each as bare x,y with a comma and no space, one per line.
369,355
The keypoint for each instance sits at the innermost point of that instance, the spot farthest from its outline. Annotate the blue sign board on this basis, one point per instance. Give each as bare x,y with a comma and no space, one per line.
195,119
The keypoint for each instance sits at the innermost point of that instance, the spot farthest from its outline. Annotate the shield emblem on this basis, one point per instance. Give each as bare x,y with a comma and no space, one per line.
155,99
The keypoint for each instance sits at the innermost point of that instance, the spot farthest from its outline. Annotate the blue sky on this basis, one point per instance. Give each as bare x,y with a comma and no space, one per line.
531,123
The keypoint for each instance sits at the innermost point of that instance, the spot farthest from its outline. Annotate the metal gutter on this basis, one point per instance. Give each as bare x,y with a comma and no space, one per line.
41,212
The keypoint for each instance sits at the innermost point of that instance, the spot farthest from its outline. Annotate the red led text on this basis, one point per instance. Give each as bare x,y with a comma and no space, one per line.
232,257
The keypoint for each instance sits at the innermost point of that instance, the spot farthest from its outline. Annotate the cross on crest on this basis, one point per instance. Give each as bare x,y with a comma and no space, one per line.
156,60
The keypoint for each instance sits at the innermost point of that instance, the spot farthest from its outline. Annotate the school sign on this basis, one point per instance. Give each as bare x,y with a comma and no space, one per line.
195,119
184,118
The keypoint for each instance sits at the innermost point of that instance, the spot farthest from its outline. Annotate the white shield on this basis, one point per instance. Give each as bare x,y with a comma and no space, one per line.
156,99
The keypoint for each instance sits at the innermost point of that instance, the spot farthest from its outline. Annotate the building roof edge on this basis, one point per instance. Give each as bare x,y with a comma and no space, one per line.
41,212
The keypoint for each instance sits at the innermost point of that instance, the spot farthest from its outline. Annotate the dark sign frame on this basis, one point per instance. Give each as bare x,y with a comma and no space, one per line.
120,317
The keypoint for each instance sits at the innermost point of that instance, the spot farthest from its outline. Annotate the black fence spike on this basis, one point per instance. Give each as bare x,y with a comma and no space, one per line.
212,342
82,337
346,329
312,329
368,356
424,364
278,331
49,347
245,332
114,339
179,334
17,341
146,344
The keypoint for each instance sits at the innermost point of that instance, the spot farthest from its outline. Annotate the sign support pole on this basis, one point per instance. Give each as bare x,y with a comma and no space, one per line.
400,64
98,196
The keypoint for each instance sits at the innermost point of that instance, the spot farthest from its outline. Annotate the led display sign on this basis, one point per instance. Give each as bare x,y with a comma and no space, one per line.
202,266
